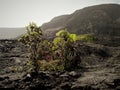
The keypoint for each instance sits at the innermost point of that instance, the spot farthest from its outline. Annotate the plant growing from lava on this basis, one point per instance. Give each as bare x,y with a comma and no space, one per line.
32,39
67,43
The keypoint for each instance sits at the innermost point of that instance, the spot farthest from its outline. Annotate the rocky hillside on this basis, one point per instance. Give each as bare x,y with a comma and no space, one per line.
103,21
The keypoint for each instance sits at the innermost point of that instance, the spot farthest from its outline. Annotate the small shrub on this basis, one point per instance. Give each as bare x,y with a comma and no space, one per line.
60,54
32,39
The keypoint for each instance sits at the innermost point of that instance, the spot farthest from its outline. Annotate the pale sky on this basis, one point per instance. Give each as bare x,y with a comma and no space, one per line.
18,13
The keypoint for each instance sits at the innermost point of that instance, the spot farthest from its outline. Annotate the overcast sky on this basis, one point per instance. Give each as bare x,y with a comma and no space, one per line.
18,13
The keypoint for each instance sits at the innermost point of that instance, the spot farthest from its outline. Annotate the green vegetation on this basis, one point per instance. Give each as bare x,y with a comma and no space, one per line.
53,65
68,45
60,54
32,39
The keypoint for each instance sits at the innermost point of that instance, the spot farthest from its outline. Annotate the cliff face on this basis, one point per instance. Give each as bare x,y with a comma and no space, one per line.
101,20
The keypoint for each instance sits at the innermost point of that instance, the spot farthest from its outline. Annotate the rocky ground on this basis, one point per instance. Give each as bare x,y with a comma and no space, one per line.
101,70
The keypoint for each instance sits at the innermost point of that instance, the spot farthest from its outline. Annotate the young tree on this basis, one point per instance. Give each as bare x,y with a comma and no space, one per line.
32,39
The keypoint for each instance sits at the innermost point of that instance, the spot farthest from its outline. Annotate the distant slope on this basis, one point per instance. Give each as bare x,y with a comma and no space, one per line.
56,22
101,20
11,33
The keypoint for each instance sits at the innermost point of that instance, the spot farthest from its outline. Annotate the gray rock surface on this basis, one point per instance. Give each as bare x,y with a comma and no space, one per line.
100,70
